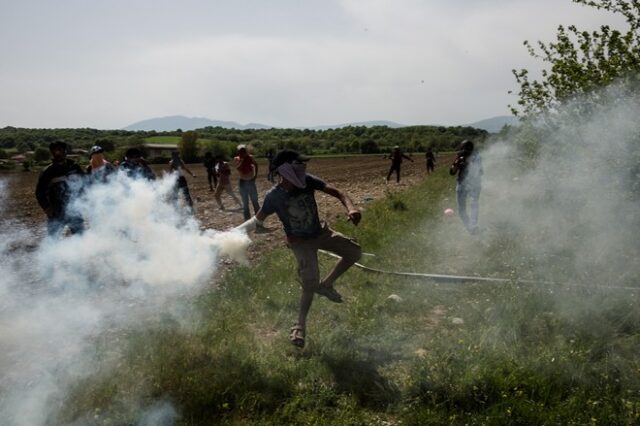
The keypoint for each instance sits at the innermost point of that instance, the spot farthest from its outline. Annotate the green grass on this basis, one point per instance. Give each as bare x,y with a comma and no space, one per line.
443,354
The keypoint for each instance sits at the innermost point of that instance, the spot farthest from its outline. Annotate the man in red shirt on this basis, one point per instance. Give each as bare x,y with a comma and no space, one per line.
248,170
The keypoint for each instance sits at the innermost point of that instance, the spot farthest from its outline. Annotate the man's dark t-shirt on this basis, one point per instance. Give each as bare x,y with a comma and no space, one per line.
297,209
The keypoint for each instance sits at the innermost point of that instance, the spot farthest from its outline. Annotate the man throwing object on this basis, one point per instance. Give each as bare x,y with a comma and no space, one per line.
293,200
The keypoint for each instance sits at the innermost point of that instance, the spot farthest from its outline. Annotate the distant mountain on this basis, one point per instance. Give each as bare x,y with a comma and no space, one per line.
175,122
495,124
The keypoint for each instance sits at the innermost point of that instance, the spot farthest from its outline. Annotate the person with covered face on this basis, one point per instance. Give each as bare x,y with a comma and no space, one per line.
467,167
99,168
293,200
247,168
57,185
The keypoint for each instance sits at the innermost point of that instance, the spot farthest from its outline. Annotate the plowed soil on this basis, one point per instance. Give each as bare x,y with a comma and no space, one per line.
361,177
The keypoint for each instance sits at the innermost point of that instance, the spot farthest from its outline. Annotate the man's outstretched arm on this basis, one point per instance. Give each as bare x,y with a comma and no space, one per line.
353,213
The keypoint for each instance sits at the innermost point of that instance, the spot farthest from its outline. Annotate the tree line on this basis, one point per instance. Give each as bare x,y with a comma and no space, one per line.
345,140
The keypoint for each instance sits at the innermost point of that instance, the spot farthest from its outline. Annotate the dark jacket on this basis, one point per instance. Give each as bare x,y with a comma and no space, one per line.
55,185
396,157
209,163
136,170
468,167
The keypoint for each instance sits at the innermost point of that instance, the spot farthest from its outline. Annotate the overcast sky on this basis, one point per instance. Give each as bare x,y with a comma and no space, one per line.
288,63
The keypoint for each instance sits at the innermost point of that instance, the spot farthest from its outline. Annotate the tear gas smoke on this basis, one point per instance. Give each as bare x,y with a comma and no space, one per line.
559,197
139,253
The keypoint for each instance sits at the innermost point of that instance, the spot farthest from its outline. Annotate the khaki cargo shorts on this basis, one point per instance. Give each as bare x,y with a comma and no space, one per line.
306,253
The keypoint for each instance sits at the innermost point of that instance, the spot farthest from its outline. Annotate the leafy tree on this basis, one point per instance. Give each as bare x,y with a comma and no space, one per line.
3,154
107,144
581,61
369,146
7,142
23,147
189,146
41,154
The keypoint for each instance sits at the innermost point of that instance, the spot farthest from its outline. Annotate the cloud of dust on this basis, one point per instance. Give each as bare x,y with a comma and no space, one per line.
138,254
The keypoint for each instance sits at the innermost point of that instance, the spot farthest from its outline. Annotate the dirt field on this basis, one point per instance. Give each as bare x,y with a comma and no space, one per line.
362,177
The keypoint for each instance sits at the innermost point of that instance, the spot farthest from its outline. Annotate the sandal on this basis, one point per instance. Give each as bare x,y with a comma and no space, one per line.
296,337
330,293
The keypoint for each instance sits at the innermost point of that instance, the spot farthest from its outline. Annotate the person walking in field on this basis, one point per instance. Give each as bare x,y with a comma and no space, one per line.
293,200
178,167
396,161
431,160
209,164
248,171
468,168
57,185
224,182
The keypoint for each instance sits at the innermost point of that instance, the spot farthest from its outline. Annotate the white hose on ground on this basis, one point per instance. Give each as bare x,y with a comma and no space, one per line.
463,279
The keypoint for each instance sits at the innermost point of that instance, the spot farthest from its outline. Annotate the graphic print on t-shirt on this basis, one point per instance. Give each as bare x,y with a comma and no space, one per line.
303,215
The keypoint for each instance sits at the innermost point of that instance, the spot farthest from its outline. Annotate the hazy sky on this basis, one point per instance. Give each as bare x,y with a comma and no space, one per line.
288,63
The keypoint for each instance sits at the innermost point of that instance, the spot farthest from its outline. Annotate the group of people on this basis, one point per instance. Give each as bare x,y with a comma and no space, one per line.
397,157
467,167
292,199
219,179
64,179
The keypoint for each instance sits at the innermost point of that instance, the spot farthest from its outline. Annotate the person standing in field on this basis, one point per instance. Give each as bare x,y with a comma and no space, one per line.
178,167
271,173
248,171
57,185
396,160
98,169
431,160
209,164
468,168
224,182
293,200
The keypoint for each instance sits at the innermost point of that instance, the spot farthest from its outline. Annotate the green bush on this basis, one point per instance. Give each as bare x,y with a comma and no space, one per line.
41,154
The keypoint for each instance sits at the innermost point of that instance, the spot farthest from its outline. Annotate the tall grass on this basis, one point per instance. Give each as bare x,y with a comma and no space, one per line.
429,354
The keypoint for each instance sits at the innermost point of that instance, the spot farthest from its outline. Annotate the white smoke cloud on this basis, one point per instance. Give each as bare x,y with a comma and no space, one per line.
138,254
566,214
160,414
